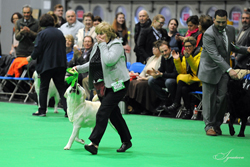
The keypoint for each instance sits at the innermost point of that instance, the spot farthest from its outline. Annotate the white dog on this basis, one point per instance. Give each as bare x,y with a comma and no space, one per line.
81,112
52,92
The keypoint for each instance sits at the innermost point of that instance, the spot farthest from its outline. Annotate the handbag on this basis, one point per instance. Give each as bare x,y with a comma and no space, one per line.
100,89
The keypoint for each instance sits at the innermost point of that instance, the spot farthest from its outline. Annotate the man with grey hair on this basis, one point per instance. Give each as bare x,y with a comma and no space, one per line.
144,22
72,25
243,39
26,30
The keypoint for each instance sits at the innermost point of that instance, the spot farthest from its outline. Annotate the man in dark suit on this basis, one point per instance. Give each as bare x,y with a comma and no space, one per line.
150,35
50,52
214,70
243,39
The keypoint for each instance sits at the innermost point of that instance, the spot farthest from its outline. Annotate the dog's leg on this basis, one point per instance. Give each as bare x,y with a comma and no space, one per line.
56,104
79,140
230,124
243,126
72,137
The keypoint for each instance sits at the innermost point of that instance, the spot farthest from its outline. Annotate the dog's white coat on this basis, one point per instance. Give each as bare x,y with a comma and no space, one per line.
52,92
81,112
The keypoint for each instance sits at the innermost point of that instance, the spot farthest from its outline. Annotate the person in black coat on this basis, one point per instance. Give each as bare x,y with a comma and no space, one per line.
150,35
144,22
50,52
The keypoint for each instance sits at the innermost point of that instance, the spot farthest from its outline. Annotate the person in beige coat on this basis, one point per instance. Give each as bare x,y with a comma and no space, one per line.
89,29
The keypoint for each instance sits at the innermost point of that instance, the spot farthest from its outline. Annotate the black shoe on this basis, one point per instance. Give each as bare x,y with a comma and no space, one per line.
66,115
39,114
91,148
173,108
160,108
124,146
145,112
135,111
187,114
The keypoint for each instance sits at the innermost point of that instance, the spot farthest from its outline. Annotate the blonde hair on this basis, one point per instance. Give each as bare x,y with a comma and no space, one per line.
106,28
190,39
71,38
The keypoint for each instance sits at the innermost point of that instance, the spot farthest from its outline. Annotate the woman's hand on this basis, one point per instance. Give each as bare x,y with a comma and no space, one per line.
101,38
139,78
186,53
175,55
127,48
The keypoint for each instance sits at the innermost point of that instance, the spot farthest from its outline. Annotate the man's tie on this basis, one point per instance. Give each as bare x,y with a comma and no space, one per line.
225,39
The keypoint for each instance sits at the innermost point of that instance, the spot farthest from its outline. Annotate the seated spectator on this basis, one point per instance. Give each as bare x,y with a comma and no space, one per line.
174,42
140,96
15,16
187,80
69,47
82,57
89,29
97,20
164,77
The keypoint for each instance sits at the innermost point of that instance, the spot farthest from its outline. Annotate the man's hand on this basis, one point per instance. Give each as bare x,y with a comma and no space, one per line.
155,74
24,30
248,49
233,74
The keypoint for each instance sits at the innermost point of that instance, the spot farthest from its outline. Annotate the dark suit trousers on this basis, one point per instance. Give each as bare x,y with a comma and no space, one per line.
58,76
214,102
109,110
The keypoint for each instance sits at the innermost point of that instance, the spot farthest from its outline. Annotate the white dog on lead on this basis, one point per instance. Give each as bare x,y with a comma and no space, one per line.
81,112
52,92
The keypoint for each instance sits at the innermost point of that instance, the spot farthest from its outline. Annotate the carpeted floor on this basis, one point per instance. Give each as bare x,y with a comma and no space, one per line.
27,141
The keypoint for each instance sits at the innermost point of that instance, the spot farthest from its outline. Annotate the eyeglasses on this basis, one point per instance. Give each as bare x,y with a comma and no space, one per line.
188,46
162,23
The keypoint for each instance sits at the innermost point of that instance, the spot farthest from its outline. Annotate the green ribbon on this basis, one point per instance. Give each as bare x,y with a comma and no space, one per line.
72,79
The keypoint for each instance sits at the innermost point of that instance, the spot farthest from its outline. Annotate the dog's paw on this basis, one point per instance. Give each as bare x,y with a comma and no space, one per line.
66,148
79,140
55,111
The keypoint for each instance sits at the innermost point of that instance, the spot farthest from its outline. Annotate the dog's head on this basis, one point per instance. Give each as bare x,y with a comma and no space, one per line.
75,93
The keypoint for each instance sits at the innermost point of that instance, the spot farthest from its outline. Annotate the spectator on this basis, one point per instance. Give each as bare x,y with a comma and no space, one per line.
72,25
97,20
164,77
151,34
187,80
175,45
15,16
26,30
205,21
193,30
50,52
0,43
144,22
69,47
119,25
243,39
82,57
89,29
141,97
58,11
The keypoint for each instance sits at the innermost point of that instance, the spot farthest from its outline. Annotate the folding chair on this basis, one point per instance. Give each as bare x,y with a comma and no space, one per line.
16,81
198,95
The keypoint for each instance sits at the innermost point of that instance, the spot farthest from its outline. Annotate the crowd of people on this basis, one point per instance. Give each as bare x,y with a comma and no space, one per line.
175,64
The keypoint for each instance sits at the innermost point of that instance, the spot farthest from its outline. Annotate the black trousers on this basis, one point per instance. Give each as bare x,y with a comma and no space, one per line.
58,75
109,110
183,91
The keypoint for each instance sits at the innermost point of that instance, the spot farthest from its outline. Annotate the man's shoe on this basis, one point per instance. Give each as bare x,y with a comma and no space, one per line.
124,146
187,114
91,148
173,108
66,115
160,108
218,131
145,112
39,114
211,132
